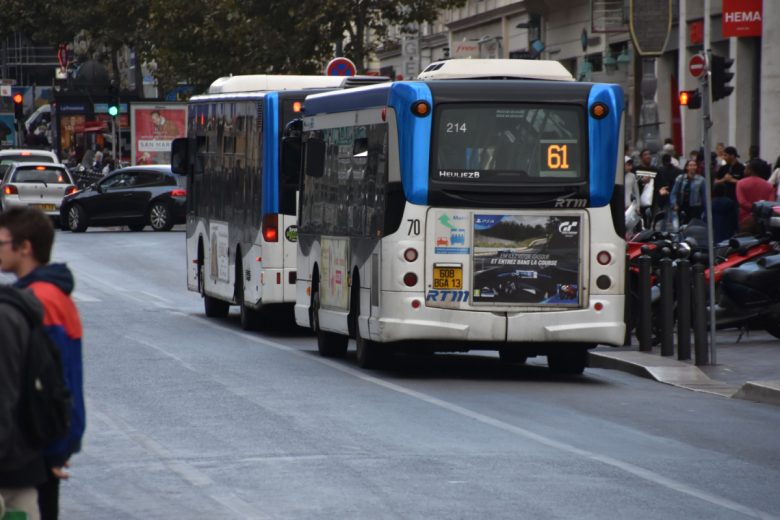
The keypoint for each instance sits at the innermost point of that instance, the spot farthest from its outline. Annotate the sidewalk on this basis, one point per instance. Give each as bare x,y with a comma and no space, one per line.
747,370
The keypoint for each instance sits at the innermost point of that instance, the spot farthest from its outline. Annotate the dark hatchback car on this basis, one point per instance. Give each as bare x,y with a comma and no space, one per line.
136,196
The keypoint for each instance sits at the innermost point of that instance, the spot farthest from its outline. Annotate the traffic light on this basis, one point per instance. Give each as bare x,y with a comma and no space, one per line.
18,106
113,110
721,76
690,99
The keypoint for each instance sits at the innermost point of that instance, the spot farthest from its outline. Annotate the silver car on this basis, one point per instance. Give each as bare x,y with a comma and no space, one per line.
35,184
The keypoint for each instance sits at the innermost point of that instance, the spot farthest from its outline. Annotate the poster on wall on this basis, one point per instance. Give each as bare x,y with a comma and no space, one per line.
526,260
7,130
154,126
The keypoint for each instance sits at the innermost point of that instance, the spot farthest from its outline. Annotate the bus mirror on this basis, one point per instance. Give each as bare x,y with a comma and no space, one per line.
291,159
315,157
179,156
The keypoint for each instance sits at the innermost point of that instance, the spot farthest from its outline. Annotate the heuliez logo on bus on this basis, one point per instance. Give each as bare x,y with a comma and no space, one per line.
439,295
449,174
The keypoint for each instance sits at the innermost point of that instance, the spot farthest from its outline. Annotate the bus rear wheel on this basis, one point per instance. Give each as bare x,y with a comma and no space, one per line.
329,344
369,354
213,307
568,361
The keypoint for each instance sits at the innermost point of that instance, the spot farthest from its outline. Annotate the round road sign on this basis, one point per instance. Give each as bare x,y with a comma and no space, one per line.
340,67
696,65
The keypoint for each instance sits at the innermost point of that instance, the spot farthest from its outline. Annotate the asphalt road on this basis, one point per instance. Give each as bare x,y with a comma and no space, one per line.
190,417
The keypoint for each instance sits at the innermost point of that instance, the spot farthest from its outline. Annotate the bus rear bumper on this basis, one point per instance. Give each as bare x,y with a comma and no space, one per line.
586,326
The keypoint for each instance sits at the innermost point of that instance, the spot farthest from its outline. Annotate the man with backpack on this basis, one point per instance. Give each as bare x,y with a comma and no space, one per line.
22,467
27,236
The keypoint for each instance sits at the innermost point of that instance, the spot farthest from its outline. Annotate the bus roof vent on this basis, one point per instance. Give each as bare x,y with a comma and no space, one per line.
496,69
267,82
360,81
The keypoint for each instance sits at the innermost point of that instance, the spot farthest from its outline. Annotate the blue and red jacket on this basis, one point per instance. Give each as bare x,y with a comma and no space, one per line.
52,285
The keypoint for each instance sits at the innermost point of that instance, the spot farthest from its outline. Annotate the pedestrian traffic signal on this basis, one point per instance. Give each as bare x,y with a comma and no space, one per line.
690,99
113,110
721,75
18,106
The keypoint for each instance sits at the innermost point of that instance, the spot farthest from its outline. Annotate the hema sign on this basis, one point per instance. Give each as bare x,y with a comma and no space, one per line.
742,18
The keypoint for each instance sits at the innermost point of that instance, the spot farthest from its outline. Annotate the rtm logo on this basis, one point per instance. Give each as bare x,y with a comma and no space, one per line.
571,203
446,296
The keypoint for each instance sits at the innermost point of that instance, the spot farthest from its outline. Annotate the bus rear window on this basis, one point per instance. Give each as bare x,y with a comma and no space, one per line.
508,144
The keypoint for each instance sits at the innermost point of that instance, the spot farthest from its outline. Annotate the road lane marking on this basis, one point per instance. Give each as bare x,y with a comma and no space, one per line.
633,469
188,473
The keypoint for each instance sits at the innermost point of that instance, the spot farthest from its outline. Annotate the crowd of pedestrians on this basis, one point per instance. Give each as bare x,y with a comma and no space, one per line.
668,191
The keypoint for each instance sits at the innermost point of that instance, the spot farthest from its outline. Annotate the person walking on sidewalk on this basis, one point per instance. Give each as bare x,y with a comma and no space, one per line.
22,467
731,172
28,237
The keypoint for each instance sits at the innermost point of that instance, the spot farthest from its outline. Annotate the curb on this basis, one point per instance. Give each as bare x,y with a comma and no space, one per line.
683,375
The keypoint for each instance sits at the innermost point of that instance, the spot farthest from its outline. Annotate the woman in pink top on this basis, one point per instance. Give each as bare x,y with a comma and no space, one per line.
752,187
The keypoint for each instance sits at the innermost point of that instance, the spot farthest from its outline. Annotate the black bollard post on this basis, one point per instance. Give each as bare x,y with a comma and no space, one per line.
627,310
667,303
683,309
701,349
644,312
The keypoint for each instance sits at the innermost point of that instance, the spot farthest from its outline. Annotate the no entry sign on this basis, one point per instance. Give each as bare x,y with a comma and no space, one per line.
696,65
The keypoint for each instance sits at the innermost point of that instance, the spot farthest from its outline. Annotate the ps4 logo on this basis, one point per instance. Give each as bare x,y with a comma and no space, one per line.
436,295
571,203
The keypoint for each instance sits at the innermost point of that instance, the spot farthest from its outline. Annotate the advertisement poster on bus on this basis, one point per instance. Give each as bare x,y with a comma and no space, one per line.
333,273
154,126
7,130
218,238
526,260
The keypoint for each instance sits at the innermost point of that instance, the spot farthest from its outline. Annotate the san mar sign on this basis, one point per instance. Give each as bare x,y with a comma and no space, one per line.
742,18
650,23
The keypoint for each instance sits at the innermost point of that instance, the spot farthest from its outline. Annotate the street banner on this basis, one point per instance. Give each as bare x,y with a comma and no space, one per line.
7,130
153,127
526,260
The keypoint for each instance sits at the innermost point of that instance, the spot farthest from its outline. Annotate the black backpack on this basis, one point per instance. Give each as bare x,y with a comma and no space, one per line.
45,401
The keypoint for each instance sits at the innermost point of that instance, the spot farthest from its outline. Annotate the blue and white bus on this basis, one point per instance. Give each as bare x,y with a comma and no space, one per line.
479,207
241,224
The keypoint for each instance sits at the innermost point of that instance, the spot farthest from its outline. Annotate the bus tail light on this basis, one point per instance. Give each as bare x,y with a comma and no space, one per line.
410,255
604,258
270,227
11,190
410,279
179,193
70,189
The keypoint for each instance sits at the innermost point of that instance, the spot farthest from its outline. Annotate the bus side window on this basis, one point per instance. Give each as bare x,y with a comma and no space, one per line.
201,147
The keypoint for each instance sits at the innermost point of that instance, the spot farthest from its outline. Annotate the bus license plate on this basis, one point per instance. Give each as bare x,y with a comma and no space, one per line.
44,207
448,277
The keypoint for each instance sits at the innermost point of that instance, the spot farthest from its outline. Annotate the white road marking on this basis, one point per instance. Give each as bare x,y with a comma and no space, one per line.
633,469
190,474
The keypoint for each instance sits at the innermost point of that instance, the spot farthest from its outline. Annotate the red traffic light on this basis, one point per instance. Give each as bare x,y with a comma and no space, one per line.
690,99
18,98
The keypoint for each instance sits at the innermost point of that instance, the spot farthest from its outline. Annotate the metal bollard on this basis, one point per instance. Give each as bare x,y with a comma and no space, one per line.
644,312
683,309
667,303
627,310
701,349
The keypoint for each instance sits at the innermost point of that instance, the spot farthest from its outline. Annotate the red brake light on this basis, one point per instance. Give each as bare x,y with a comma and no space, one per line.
70,189
40,168
410,255
410,279
25,154
270,227
776,210
11,190
179,193
604,258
